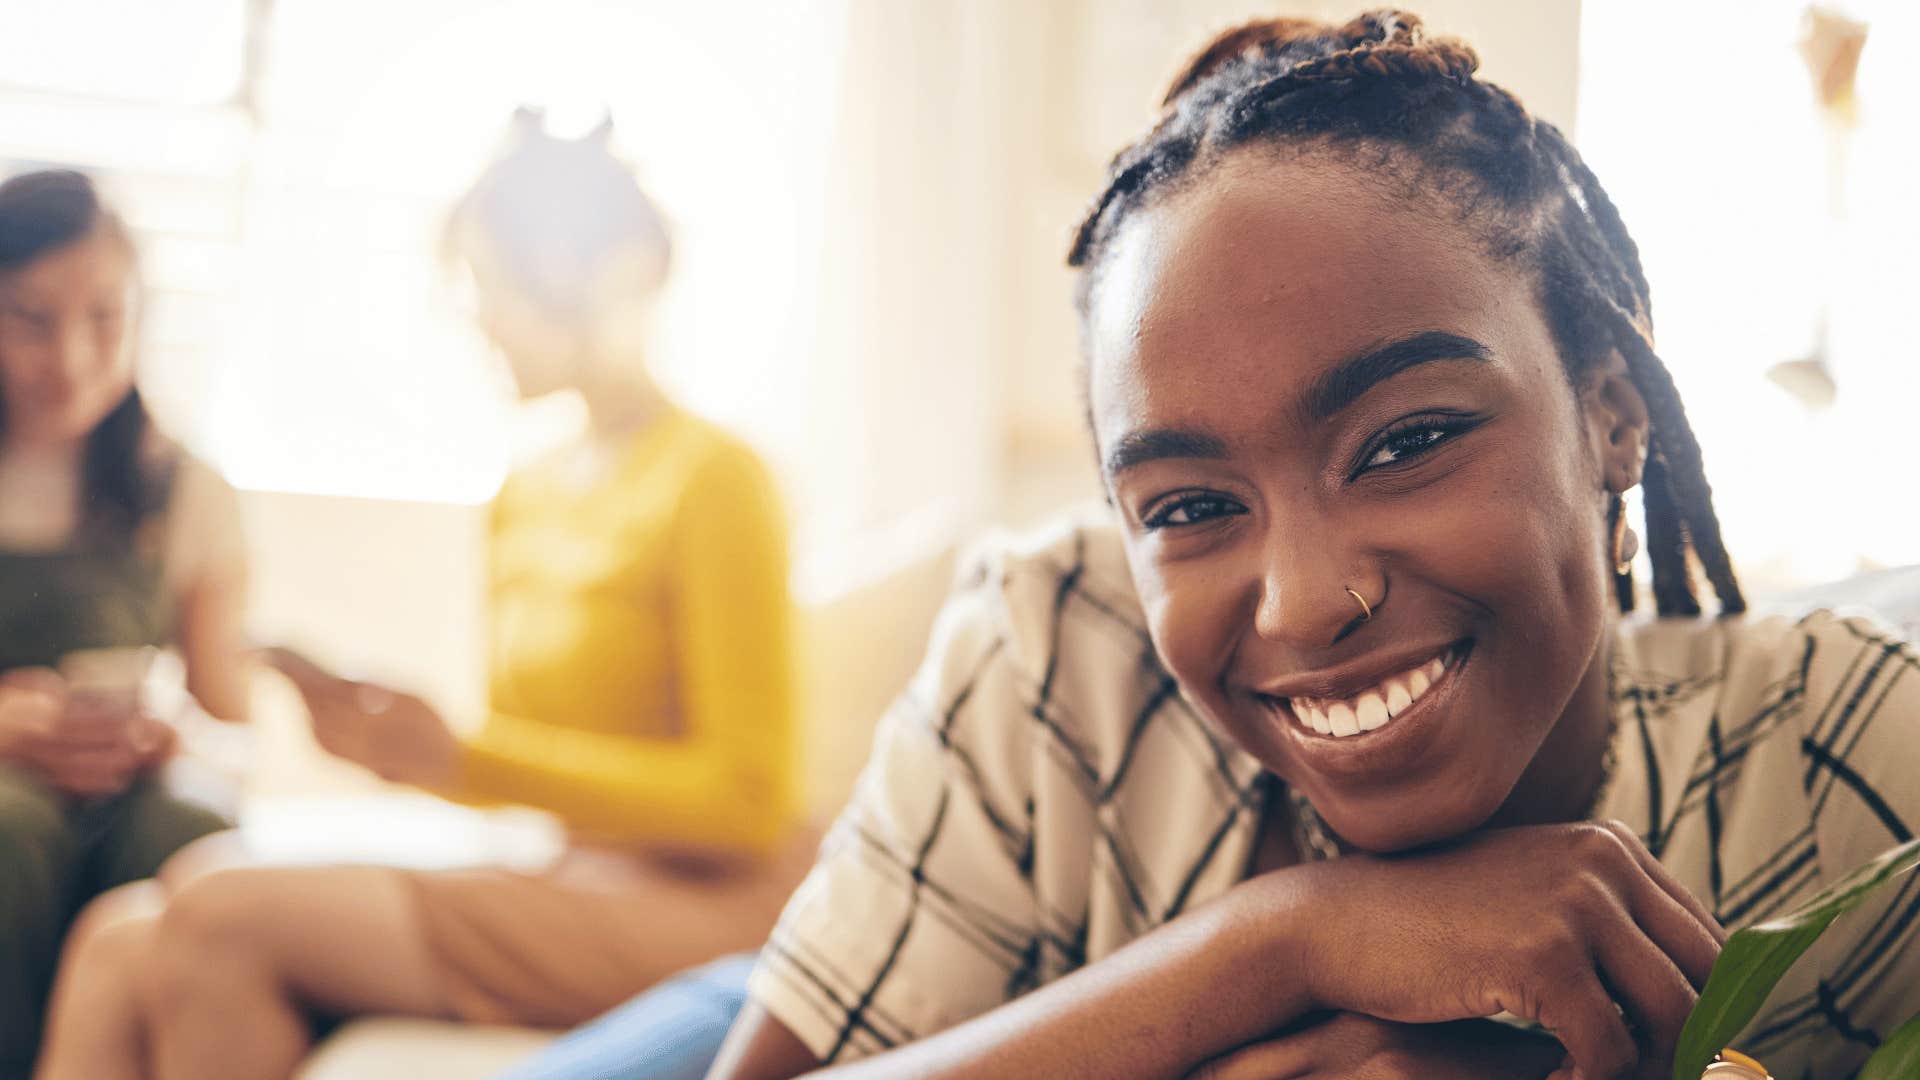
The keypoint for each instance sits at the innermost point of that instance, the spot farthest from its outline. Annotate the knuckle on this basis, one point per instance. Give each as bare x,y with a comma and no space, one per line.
1548,951
1622,831
1597,843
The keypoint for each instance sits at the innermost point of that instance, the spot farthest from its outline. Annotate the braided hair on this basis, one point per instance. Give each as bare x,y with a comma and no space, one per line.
1379,86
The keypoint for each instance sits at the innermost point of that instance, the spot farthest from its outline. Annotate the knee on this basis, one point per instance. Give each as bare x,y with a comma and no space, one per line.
209,927
111,951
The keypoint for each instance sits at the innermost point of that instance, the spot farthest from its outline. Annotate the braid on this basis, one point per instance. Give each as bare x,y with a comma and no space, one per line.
1379,82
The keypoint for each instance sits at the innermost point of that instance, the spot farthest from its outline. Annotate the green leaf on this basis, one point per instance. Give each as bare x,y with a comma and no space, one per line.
1898,1058
1755,959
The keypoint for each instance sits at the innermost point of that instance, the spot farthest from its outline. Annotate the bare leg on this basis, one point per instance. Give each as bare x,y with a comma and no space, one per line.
94,1029
216,851
94,1024
242,957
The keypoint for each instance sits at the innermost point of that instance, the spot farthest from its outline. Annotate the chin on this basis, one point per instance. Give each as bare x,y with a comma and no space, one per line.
1441,810
66,426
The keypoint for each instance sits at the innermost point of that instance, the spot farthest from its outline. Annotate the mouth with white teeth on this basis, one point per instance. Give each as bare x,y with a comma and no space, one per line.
1376,707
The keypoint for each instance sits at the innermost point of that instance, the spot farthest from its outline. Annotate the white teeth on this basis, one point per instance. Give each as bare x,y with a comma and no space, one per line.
1372,712
1398,697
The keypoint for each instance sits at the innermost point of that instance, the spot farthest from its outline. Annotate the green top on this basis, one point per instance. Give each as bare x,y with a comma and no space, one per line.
99,591
92,597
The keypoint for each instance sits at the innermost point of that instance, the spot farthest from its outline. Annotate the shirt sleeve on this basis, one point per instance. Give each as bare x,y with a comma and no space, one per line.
919,913
730,779
1859,740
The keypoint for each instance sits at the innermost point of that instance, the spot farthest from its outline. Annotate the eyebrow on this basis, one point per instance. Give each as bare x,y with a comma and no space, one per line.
1331,392
1340,387
1139,447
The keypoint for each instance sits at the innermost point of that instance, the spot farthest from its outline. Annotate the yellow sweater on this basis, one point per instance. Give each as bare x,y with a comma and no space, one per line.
641,657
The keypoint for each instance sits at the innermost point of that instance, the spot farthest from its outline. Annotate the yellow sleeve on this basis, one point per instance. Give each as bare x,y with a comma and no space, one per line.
730,780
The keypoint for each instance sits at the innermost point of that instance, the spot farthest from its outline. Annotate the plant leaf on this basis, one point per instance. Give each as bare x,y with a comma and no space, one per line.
1898,1058
1755,958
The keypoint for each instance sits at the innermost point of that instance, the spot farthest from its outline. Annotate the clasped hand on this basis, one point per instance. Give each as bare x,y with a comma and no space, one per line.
86,745
1577,928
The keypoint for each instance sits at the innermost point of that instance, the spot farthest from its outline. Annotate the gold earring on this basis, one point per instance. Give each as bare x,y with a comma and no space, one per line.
1626,542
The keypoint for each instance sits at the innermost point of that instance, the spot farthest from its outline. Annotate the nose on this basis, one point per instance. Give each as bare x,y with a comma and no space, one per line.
1304,577
75,353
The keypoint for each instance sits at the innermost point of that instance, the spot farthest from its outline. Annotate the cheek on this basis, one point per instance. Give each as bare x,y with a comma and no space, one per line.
112,372
1195,616
1528,552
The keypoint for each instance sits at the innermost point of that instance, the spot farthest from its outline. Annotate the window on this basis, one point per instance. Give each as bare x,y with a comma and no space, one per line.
1770,236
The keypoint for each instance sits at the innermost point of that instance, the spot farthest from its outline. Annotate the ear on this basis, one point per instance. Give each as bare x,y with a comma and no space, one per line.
1618,427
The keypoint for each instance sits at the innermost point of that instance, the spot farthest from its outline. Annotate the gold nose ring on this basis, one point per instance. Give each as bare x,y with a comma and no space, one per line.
1366,609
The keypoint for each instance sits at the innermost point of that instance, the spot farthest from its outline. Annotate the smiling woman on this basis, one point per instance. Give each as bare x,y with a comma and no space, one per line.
1332,740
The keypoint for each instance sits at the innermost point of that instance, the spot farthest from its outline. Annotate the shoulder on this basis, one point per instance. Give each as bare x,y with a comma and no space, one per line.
700,445
715,477
1045,634
203,520
1752,656
1059,595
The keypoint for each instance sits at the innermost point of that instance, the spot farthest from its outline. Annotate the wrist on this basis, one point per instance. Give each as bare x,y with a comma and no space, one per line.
1269,923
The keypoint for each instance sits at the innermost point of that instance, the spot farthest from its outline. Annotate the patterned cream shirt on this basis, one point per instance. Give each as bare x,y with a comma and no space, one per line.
1041,795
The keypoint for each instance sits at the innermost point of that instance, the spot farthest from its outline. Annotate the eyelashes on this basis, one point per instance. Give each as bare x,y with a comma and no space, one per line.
1408,439
1401,446
1190,508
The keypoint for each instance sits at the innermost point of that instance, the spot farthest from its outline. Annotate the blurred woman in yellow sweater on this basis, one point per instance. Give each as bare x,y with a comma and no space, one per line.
641,686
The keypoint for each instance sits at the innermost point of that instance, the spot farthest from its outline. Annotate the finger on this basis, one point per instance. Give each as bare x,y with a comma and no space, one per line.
151,738
1272,1060
373,700
92,778
313,682
42,679
118,756
1583,1016
1681,928
1663,877
86,738
94,714
1647,984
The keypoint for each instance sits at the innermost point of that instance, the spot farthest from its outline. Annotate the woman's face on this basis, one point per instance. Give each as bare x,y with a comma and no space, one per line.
542,354
1299,385
65,348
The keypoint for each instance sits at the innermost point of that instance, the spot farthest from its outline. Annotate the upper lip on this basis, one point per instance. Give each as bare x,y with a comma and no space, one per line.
1351,679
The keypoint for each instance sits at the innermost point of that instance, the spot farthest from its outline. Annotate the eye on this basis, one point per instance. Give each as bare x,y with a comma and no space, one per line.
1193,508
1411,439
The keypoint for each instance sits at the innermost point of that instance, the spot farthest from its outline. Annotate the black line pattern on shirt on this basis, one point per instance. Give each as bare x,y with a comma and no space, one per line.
1058,940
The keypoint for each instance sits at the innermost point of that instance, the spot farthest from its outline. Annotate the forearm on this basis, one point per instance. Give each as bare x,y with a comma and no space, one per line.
623,788
1214,979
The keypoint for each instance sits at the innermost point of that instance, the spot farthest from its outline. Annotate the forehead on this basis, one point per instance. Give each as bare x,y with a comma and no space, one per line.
95,264
1241,288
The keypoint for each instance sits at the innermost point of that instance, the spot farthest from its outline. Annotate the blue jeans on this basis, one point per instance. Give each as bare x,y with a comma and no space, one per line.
671,1032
